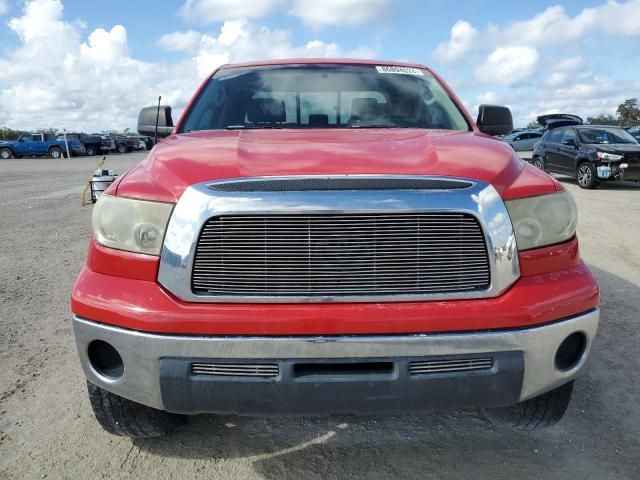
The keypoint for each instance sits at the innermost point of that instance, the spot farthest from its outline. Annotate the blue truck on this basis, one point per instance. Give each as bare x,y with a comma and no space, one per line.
40,144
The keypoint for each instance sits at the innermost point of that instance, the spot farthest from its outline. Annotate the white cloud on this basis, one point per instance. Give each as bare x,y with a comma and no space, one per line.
551,26
325,13
104,48
463,36
97,83
487,97
4,7
508,65
240,41
180,41
211,11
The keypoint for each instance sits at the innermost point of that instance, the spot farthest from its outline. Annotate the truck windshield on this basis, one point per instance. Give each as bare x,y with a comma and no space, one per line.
323,96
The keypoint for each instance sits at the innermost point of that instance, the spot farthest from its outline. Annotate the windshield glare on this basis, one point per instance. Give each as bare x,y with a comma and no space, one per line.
605,135
323,96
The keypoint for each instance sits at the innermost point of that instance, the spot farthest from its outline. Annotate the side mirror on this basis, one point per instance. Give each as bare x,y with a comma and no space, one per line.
569,142
494,120
147,121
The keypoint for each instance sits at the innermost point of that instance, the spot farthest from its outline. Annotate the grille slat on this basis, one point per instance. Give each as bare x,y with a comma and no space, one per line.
238,369
445,366
341,254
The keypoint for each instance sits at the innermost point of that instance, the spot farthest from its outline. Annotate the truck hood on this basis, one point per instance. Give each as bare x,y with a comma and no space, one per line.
186,159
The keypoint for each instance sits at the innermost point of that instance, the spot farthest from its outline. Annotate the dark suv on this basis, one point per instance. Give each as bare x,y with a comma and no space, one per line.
591,153
94,144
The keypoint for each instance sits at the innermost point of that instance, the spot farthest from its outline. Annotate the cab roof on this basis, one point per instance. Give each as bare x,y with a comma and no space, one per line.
324,61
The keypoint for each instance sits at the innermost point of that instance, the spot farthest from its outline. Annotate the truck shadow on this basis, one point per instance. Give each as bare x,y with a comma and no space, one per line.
598,438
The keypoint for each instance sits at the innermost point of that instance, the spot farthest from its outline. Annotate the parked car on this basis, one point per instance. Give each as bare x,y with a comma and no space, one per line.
635,132
125,144
146,142
523,141
93,144
331,236
39,144
591,153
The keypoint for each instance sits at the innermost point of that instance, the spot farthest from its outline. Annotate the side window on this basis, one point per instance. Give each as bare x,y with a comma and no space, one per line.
568,134
36,138
535,135
554,136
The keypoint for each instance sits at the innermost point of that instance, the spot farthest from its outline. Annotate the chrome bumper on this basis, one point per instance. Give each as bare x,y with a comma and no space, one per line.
142,352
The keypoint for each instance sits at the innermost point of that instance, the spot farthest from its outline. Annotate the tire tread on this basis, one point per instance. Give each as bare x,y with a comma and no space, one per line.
539,412
120,416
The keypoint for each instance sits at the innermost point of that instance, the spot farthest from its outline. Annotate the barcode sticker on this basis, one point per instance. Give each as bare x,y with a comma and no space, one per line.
399,70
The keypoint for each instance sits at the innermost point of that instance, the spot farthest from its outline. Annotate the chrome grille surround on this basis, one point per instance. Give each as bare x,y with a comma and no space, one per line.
201,202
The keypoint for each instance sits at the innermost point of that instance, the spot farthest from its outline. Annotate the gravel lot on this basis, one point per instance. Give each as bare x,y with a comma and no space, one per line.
48,430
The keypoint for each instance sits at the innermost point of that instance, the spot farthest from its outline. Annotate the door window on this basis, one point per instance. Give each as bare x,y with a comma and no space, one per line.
555,136
568,134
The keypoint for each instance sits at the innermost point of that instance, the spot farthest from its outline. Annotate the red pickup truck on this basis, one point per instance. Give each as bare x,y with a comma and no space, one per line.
331,236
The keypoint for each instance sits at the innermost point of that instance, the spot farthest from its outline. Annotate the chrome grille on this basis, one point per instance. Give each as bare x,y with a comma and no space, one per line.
235,369
450,365
341,254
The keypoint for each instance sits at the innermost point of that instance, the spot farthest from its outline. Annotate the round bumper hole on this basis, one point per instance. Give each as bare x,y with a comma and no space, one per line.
570,351
105,359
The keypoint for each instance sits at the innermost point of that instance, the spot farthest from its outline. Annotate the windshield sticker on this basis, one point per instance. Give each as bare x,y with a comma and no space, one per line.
399,70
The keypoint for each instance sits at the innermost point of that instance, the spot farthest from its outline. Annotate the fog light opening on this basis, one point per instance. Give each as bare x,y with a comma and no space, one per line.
571,351
105,360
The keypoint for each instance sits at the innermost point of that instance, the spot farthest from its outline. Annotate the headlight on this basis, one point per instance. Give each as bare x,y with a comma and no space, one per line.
132,225
610,157
543,220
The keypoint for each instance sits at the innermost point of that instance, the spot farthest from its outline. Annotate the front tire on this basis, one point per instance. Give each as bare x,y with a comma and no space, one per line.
55,152
122,417
122,148
587,175
538,412
5,154
538,163
91,151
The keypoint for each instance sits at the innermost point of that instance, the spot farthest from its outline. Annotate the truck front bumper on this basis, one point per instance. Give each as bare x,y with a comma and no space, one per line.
332,374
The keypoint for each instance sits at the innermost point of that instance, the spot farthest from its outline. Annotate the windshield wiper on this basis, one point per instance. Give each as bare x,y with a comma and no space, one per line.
375,125
250,127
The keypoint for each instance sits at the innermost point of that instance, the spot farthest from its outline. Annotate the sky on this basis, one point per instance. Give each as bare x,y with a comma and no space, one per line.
89,65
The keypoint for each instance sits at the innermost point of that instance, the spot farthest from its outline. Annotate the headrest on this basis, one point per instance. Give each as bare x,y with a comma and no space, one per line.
319,119
365,109
266,110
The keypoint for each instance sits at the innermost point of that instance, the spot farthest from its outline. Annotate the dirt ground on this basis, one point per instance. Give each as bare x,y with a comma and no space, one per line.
48,431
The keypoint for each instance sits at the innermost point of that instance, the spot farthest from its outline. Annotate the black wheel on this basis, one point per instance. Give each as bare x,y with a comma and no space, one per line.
539,412
5,154
120,416
55,152
122,148
91,151
538,163
586,175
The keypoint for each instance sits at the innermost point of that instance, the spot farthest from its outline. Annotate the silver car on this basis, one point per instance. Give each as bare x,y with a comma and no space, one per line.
524,140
